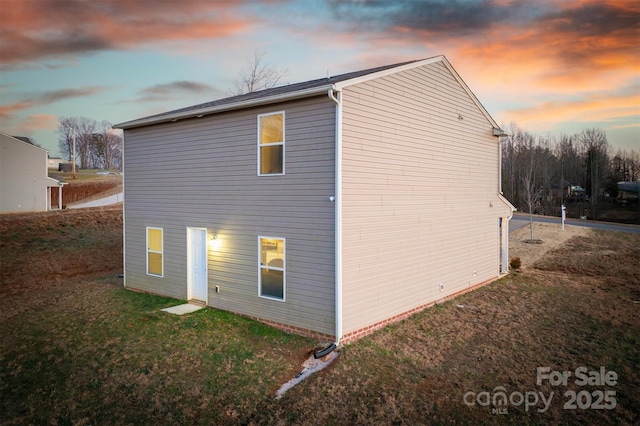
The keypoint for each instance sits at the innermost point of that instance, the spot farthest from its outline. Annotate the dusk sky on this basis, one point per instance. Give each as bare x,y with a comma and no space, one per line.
550,66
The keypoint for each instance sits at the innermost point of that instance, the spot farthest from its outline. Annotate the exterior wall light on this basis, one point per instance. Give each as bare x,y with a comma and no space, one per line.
214,242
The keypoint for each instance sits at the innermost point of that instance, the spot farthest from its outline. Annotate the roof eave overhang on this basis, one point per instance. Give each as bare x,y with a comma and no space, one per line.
53,182
372,76
198,113
507,202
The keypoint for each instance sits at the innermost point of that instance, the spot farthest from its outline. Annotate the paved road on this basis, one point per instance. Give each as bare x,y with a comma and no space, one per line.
520,220
106,201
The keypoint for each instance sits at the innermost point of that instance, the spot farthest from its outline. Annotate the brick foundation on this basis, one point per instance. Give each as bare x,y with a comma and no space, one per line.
294,330
355,335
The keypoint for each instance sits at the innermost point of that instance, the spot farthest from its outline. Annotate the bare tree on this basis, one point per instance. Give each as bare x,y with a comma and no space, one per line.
597,164
107,147
66,128
83,128
257,76
531,191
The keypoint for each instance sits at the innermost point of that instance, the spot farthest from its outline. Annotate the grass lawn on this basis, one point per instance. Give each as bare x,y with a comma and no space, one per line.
80,349
99,354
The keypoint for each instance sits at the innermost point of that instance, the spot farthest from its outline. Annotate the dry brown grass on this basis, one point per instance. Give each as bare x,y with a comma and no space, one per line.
550,235
77,349
575,303
53,247
87,187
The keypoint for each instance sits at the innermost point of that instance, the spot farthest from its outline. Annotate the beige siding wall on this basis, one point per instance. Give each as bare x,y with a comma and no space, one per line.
203,173
420,172
23,176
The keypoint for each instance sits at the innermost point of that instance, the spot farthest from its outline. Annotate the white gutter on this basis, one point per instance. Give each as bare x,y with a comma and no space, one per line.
500,166
338,218
197,113
124,224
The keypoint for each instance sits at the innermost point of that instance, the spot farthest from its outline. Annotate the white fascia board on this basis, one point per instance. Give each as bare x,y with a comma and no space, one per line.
507,202
52,182
471,94
390,71
226,107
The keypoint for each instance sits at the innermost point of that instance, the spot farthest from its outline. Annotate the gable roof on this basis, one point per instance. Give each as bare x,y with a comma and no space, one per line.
295,91
23,140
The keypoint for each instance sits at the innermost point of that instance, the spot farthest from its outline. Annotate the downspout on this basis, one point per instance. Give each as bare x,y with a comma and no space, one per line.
500,165
124,224
338,227
505,225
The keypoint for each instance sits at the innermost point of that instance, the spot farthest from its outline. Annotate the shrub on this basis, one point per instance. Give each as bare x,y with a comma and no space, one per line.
515,263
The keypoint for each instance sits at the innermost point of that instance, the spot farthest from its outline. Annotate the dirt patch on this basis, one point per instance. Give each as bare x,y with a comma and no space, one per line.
49,248
87,188
551,236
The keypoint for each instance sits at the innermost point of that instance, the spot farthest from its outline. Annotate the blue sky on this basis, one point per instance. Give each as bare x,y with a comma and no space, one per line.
549,66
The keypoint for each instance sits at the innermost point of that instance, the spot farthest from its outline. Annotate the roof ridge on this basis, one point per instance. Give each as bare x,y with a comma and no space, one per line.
292,87
308,85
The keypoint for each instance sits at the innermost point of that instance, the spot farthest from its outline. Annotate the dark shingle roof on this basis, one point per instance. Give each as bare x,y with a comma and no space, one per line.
25,139
267,93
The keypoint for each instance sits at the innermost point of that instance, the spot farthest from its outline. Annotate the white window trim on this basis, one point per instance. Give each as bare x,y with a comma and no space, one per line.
272,144
154,251
283,269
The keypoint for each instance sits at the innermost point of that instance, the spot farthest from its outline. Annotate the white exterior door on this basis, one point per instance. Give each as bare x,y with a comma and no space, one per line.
197,264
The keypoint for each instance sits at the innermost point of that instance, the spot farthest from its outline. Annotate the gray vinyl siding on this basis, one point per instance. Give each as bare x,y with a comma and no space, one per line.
202,172
420,169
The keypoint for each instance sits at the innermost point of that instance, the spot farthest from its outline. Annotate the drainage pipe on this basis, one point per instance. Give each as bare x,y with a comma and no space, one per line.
338,225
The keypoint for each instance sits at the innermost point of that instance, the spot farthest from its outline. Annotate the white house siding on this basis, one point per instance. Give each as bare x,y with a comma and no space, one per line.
203,173
24,184
420,173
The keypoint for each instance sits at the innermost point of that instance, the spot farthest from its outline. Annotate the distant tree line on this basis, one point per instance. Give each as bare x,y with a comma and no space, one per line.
539,173
98,146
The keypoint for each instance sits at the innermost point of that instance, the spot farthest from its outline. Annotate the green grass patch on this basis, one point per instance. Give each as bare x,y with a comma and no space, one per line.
114,357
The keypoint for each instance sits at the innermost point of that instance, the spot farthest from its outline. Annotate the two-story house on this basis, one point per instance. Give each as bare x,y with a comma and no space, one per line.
24,182
328,208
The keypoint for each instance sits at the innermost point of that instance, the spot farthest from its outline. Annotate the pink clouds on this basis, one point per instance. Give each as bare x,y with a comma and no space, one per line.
591,108
53,29
7,111
37,122
518,48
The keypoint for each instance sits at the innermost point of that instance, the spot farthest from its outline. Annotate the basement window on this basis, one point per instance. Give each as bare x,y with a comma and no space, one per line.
271,144
155,255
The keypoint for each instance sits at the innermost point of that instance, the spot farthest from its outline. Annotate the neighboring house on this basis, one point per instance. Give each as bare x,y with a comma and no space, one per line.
56,162
561,191
24,184
628,192
328,208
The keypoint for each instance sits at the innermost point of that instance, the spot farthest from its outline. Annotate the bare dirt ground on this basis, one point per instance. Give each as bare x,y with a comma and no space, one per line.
53,247
87,187
550,235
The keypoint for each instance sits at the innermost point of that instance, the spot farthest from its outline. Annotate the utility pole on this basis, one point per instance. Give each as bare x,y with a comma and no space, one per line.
74,153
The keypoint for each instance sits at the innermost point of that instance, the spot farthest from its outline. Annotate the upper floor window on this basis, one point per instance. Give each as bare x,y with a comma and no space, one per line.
271,144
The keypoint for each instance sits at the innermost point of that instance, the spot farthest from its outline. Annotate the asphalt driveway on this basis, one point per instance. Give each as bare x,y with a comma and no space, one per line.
521,219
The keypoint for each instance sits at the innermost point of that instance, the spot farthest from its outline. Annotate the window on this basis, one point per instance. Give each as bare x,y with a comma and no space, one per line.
271,278
154,252
271,144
